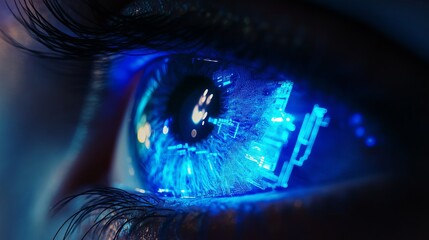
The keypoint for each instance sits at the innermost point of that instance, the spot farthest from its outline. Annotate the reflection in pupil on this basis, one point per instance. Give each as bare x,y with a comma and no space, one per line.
191,104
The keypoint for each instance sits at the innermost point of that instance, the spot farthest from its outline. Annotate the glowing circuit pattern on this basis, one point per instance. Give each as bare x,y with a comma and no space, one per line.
243,152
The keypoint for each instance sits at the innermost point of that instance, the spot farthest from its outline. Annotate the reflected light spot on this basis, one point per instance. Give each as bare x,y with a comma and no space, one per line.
197,115
140,190
194,133
144,133
141,135
202,100
147,143
209,99
165,130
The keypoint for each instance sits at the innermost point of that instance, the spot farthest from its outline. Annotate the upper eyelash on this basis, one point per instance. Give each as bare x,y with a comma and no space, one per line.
83,42
118,33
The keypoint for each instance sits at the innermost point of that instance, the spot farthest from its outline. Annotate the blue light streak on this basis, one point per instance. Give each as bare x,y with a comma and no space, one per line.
306,139
189,168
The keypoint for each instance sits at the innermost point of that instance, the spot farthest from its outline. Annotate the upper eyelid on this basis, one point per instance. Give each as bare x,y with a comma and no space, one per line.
289,43
315,58
172,31
310,52
191,30
315,61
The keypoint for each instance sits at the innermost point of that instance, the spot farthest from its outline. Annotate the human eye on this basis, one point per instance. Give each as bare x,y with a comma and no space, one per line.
189,109
150,134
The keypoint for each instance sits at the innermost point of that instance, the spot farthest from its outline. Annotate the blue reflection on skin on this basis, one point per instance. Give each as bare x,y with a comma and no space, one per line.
125,67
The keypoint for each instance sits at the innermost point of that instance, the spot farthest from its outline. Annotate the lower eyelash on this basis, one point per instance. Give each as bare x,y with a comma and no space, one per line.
111,213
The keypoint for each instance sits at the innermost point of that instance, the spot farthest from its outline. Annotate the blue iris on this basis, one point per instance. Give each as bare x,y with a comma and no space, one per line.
202,128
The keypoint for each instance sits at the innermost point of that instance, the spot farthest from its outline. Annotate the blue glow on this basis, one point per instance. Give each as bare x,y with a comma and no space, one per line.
360,132
166,127
277,119
189,168
225,127
306,138
370,141
165,130
125,67
356,119
223,78
206,60
243,152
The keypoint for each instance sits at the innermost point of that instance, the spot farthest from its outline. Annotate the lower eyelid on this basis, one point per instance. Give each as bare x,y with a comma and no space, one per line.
232,217
287,214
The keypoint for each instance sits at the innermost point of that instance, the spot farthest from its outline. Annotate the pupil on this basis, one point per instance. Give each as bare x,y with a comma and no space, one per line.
191,104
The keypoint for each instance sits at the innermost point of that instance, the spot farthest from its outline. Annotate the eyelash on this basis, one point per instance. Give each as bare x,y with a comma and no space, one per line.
107,209
115,34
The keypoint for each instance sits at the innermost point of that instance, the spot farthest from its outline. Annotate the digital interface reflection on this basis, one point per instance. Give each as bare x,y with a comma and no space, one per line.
203,128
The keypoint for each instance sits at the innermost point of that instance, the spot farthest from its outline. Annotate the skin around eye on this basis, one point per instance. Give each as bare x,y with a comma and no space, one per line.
36,136
361,134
